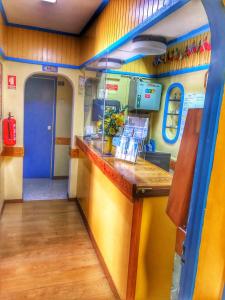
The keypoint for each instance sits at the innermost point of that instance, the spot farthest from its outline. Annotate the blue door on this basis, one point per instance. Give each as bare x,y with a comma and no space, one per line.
39,127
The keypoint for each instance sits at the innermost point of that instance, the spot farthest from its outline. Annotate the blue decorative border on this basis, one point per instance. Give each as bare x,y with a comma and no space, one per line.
146,24
165,116
94,16
183,71
130,74
206,148
183,38
189,35
157,76
136,57
38,62
149,22
54,128
67,66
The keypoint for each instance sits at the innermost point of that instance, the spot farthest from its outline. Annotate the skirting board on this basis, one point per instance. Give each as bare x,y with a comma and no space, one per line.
13,201
98,253
60,177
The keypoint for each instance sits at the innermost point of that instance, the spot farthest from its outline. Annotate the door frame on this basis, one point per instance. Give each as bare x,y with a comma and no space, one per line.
206,149
54,78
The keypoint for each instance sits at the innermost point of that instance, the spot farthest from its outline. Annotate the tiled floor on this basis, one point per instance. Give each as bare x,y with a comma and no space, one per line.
44,189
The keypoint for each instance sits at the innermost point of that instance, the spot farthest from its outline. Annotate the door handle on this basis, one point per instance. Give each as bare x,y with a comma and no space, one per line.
49,127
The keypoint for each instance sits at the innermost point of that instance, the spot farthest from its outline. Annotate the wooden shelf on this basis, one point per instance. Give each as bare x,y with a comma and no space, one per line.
172,114
174,100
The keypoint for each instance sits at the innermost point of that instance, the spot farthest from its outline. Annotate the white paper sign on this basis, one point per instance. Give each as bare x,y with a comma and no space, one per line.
191,100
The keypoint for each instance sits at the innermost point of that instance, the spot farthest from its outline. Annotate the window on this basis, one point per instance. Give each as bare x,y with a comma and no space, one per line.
173,113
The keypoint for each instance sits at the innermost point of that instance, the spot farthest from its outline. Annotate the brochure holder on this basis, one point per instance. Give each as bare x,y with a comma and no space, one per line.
132,139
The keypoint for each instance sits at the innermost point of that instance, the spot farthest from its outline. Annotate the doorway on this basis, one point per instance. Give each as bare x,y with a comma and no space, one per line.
47,131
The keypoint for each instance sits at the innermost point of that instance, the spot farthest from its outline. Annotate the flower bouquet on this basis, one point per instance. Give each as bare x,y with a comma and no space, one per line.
113,121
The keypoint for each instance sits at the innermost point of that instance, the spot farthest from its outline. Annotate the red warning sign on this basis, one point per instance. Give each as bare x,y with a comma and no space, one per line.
11,82
112,87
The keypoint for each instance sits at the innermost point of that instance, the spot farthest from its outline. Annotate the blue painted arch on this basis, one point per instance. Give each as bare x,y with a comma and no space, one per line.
206,149
165,116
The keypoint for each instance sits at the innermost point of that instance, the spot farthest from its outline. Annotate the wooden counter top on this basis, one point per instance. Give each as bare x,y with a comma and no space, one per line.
142,179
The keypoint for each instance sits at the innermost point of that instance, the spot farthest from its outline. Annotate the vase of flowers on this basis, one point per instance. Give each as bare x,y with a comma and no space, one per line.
113,121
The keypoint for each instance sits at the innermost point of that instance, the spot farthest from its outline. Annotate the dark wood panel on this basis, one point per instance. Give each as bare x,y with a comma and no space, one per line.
13,151
60,177
13,201
172,164
180,193
134,249
62,141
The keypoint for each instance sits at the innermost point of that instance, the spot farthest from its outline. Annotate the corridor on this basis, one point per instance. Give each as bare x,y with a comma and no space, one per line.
46,253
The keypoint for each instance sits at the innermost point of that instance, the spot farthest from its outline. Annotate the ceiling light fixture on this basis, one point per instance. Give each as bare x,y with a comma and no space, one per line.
110,63
49,1
149,45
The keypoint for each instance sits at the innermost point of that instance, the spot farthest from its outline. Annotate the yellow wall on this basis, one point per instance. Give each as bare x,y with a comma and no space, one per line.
1,165
109,215
156,253
196,59
210,278
142,66
117,19
13,101
193,83
64,103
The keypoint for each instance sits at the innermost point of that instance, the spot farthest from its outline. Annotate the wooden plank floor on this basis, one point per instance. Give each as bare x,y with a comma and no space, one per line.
46,253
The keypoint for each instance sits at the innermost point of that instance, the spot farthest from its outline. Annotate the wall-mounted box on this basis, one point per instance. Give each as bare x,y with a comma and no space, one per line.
144,96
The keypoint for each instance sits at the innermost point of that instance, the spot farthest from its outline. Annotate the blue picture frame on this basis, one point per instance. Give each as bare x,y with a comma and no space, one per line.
165,116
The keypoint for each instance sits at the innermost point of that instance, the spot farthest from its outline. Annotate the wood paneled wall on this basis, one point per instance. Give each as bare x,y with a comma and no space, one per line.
2,31
142,66
41,46
117,19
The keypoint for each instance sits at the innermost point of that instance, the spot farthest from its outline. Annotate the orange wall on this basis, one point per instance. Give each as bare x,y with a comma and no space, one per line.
42,46
2,32
210,278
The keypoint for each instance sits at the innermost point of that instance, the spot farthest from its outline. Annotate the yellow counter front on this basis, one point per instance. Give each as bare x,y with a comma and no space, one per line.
124,206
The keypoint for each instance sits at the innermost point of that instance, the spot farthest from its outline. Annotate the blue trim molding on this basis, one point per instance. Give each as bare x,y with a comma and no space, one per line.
183,38
206,149
149,22
94,16
189,35
183,71
129,74
165,116
37,62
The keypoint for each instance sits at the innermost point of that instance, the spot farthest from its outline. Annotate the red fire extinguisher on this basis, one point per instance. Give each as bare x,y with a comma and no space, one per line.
9,131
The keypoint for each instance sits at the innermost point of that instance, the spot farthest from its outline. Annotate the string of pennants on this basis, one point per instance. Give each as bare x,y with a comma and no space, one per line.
176,54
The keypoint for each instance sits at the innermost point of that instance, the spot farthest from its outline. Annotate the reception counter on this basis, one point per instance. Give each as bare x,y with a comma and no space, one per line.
123,206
